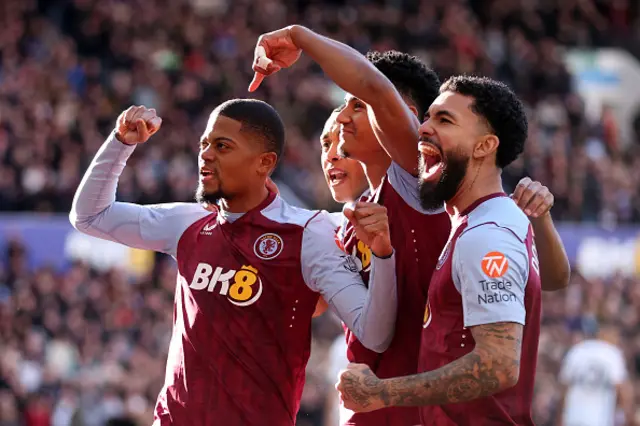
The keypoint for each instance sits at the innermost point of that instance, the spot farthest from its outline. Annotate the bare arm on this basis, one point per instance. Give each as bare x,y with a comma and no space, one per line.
536,201
396,126
492,366
554,263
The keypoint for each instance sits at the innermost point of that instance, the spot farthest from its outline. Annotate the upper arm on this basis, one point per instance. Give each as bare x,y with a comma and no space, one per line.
396,127
490,270
152,227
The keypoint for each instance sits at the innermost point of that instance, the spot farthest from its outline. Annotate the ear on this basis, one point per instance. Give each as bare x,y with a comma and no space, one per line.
414,110
268,161
486,146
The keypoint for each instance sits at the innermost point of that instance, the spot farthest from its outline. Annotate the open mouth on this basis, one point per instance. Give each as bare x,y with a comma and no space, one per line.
206,175
432,160
337,176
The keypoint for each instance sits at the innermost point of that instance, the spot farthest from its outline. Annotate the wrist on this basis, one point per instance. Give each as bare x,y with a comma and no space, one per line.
120,139
542,220
382,252
297,32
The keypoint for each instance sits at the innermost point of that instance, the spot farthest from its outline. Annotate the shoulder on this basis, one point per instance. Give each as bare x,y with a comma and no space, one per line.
180,209
280,211
497,216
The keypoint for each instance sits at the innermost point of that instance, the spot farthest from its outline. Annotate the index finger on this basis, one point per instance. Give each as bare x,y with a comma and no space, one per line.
257,80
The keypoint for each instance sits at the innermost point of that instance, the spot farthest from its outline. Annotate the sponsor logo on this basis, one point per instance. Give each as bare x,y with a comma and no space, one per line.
496,292
268,246
495,264
242,287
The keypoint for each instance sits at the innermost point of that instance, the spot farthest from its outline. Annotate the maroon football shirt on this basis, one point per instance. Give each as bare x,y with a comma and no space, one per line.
418,237
488,273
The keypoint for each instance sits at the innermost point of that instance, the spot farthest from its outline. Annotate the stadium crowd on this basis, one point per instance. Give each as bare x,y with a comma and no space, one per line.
81,347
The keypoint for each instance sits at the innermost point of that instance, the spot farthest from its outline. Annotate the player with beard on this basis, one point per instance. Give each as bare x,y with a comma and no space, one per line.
482,317
249,273
387,92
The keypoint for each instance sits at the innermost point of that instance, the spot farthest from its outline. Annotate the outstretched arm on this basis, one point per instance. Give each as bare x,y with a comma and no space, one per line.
95,211
395,124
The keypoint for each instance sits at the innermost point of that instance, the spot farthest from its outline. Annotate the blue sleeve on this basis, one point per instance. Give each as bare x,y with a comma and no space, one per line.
95,211
369,313
490,270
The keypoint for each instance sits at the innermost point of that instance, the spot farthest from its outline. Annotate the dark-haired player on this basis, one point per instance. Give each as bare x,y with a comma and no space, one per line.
482,319
249,273
379,127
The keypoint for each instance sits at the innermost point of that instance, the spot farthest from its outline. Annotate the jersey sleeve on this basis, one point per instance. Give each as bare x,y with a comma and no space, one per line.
370,313
95,210
490,270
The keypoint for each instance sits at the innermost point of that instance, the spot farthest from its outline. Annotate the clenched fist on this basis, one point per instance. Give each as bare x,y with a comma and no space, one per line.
137,124
360,389
371,224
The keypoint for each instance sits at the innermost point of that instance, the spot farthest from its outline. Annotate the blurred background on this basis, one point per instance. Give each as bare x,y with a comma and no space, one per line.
85,325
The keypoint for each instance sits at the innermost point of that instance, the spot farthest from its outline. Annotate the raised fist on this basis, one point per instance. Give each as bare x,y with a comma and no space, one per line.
137,124
371,224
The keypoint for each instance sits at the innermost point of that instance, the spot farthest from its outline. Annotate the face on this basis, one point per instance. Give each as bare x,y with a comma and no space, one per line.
449,139
357,140
345,177
230,163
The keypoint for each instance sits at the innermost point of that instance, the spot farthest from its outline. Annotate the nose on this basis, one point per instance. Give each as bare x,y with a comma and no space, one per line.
426,128
332,153
207,153
344,116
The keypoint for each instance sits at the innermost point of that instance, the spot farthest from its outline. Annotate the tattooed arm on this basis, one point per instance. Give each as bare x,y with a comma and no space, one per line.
492,366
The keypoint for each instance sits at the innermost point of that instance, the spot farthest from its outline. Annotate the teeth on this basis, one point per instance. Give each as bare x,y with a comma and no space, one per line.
337,175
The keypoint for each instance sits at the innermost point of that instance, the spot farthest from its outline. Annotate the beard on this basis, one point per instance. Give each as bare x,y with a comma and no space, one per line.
210,198
434,194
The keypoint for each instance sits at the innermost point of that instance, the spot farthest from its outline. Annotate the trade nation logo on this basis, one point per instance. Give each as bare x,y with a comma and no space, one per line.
495,264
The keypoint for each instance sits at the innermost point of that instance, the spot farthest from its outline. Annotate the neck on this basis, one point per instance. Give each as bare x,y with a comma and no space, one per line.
375,168
244,203
477,184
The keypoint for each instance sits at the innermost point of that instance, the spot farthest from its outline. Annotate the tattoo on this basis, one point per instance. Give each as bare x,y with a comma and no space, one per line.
492,366
361,390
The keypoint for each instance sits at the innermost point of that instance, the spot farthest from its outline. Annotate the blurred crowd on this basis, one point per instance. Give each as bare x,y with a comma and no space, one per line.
78,347
69,67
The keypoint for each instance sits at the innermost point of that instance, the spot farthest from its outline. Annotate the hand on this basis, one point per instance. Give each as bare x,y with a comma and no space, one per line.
360,390
274,51
371,224
137,124
533,198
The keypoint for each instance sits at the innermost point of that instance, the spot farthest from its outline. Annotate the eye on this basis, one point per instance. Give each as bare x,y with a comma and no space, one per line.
326,146
221,146
358,105
203,145
445,120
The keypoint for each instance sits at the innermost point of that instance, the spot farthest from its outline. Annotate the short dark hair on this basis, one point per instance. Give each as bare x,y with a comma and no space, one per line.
259,118
500,107
410,75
